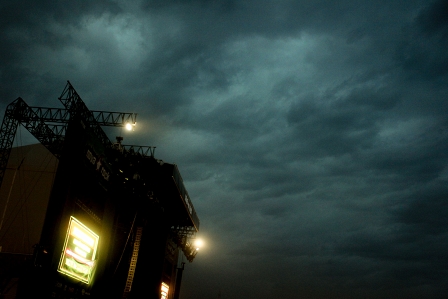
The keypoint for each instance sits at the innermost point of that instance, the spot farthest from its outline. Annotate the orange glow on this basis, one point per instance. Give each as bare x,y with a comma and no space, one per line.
164,291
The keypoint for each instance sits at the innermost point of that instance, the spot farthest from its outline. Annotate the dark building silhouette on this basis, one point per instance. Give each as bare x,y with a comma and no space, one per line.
108,221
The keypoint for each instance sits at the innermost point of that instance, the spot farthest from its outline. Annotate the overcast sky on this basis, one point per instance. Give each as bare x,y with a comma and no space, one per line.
312,136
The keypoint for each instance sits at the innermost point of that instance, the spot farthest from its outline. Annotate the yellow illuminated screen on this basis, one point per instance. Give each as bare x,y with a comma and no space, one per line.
164,291
79,251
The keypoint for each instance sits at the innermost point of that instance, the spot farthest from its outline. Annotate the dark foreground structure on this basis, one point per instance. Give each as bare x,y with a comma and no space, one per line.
116,221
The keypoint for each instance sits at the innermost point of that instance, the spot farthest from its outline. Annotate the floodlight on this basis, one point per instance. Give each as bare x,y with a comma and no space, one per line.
198,243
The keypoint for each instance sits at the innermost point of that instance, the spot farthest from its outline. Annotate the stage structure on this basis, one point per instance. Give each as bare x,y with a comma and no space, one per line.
117,218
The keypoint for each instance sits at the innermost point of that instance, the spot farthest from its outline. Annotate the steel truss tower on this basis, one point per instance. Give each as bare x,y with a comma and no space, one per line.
50,127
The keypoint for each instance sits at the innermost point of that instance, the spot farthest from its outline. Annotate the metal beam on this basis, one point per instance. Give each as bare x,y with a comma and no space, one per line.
77,108
139,149
103,118
18,112
7,134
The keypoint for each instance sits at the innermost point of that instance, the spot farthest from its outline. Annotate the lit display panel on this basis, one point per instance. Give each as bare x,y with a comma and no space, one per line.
164,291
79,251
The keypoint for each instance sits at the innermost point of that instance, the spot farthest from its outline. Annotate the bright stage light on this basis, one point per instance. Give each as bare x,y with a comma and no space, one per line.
198,244
129,127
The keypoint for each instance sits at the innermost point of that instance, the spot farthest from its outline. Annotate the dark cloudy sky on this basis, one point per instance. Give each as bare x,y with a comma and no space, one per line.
312,135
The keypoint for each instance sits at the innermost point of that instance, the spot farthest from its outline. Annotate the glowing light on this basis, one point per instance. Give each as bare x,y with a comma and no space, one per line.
198,243
80,252
79,234
164,290
78,258
78,267
81,245
129,126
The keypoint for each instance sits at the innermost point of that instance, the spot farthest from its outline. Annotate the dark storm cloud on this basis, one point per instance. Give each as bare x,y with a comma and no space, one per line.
423,52
340,126
383,135
433,19
311,135
27,25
